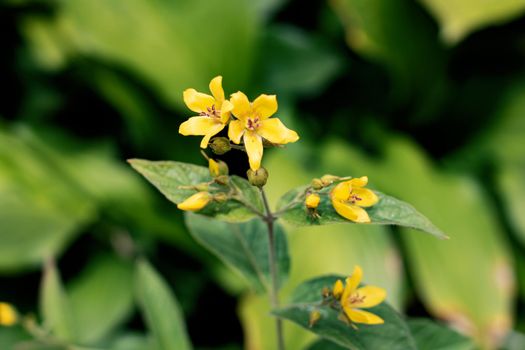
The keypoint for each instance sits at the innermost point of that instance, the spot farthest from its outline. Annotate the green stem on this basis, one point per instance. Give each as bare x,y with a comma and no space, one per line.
270,218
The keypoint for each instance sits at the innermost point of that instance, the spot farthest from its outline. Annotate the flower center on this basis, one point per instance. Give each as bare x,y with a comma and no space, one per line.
211,112
356,298
354,198
253,123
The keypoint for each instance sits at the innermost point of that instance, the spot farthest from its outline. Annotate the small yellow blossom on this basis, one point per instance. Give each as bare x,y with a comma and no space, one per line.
312,201
254,124
213,112
214,167
353,299
338,289
350,196
8,315
196,202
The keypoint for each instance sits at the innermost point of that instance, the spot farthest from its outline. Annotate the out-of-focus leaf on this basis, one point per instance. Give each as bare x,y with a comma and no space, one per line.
169,176
55,306
461,17
388,211
132,342
10,336
244,247
101,297
295,63
393,334
319,250
480,303
170,44
39,211
514,341
398,34
160,309
432,336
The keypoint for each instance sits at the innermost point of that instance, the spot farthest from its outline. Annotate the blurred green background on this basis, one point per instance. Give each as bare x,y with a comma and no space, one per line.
426,97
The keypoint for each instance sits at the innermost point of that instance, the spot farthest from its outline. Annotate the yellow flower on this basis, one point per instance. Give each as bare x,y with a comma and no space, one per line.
8,315
254,123
312,201
353,299
196,202
349,197
214,112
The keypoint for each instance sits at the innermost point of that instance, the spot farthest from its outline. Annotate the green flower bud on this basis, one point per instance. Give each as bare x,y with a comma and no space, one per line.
220,197
328,179
201,187
257,178
220,145
222,179
316,184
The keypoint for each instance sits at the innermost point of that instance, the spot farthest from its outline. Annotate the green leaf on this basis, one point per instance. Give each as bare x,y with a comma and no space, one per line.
243,247
160,309
432,336
461,17
99,309
132,341
388,211
55,307
392,335
168,176
323,344
108,30
481,300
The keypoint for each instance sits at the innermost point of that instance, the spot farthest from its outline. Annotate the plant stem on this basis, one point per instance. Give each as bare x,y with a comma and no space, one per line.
274,291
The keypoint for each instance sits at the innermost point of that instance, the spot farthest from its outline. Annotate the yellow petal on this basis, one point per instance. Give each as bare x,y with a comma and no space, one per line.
196,202
236,130
367,198
254,149
372,296
197,101
338,289
214,168
359,181
351,211
8,315
241,105
198,126
341,191
214,130
216,89
265,106
226,108
274,131
360,316
352,283
312,200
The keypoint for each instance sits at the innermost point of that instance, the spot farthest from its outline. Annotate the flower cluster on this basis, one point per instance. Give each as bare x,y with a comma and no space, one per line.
250,124
348,197
349,298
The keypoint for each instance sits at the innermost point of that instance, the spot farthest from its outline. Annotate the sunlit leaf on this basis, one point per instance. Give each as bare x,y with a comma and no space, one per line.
432,336
169,176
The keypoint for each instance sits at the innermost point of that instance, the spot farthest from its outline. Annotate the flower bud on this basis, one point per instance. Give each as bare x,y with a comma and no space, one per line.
201,187
315,316
196,202
220,145
338,289
328,179
312,200
257,178
217,167
222,179
8,315
317,184
220,197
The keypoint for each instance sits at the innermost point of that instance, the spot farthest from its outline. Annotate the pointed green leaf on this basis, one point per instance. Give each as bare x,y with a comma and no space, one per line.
432,336
160,308
243,247
392,335
169,176
388,211
99,310
55,308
